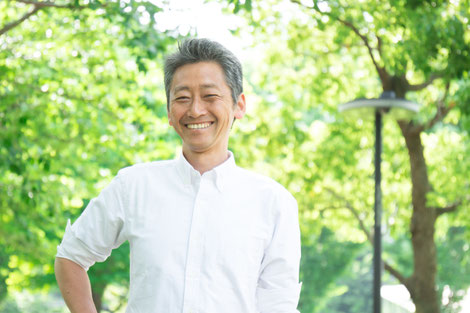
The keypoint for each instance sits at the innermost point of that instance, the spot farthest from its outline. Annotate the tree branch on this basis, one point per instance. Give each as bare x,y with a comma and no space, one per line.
353,210
331,208
381,71
394,272
448,209
37,5
442,110
409,127
379,45
50,4
11,25
425,84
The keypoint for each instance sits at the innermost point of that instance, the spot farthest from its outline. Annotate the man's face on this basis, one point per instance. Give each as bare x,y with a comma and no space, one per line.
201,107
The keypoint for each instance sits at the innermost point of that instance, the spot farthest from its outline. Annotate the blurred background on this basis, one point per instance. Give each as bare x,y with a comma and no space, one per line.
82,95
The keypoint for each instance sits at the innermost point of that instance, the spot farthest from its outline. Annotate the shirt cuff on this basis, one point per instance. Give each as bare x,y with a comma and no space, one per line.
72,248
280,300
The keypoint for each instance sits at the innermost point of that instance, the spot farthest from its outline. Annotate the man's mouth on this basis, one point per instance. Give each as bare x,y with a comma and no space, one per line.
199,125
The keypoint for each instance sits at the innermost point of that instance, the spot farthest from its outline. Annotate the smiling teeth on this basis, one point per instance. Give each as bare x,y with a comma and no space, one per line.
199,126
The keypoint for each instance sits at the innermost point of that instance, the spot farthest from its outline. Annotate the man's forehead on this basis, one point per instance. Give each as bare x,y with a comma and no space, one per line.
183,87
199,76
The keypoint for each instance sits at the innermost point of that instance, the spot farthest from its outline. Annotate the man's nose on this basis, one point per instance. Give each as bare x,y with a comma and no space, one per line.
197,108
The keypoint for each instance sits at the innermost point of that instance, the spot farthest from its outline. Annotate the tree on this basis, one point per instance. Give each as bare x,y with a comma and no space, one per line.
78,101
328,52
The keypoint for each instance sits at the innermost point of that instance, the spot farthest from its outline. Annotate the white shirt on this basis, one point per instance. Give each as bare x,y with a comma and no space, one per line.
225,241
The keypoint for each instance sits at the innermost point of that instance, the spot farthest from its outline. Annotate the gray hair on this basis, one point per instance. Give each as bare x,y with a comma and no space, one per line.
205,50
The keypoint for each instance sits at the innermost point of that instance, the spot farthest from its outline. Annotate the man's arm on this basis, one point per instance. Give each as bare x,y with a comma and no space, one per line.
74,285
278,284
98,230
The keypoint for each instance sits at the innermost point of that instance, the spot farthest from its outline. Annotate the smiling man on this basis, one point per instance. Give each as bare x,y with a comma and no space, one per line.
206,236
201,109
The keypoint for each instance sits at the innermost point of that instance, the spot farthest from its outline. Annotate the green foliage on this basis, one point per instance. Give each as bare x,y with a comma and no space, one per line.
101,276
3,273
357,281
399,250
463,95
324,260
240,4
35,303
453,271
454,265
81,96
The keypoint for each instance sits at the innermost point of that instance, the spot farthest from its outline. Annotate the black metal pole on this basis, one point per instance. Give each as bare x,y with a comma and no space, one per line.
378,214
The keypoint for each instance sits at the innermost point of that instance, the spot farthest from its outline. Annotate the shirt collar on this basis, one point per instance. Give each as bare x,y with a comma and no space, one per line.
219,174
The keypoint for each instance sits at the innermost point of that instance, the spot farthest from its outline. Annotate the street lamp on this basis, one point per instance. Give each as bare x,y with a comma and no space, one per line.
400,109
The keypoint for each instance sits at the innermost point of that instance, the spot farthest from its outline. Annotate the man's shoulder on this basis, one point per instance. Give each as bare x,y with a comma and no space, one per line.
148,168
256,180
265,188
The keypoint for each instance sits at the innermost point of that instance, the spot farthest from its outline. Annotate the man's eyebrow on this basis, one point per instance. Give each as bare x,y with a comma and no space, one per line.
180,88
206,86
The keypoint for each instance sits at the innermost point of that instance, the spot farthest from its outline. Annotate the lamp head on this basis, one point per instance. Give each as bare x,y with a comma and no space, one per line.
387,103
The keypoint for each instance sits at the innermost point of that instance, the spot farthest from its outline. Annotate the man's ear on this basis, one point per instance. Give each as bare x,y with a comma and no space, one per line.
240,108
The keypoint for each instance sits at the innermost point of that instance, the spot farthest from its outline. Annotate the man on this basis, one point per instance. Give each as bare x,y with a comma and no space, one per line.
206,236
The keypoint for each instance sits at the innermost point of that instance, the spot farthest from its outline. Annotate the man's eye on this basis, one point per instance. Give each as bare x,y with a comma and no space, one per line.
182,98
211,96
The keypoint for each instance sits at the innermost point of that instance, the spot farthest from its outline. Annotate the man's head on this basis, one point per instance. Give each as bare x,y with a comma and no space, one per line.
205,50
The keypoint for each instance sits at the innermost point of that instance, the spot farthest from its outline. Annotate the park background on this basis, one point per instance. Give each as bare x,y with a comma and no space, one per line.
82,95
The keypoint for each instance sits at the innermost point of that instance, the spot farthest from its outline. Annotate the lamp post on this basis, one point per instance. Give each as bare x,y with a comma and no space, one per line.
399,108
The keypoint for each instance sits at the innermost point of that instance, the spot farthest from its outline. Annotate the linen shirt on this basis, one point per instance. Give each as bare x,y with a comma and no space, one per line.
225,241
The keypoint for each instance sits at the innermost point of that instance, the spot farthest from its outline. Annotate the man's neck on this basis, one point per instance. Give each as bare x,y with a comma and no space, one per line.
206,161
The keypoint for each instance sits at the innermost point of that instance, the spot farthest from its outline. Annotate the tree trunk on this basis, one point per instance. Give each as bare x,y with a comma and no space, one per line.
422,283
97,294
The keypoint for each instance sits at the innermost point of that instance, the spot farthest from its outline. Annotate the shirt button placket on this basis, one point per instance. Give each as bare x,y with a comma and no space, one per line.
194,255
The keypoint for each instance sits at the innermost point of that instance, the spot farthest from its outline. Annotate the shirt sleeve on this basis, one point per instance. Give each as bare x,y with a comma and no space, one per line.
98,230
278,288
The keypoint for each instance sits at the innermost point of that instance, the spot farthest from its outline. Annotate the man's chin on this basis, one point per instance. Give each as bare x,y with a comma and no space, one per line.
199,149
